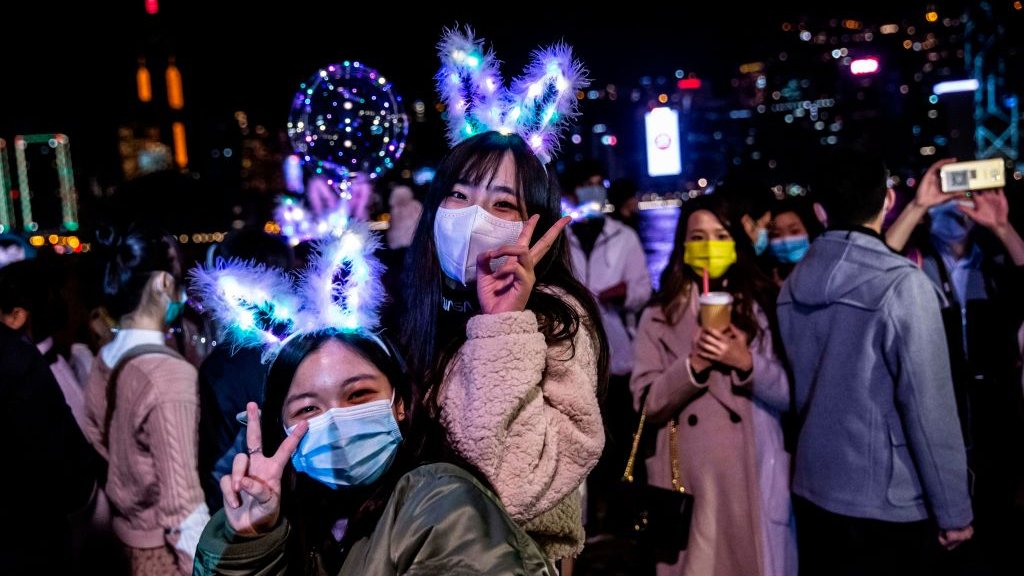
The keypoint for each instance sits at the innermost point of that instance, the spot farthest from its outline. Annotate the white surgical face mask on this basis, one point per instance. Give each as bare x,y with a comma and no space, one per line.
462,234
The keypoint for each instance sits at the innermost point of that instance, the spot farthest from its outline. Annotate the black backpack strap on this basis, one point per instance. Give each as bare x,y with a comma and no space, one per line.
126,358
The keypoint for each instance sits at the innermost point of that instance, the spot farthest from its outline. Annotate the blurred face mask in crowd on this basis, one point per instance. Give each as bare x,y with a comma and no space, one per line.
716,256
595,193
761,241
175,307
790,249
949,224
757,230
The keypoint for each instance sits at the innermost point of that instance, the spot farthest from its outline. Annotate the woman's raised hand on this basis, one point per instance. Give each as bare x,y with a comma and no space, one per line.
252,492
508,288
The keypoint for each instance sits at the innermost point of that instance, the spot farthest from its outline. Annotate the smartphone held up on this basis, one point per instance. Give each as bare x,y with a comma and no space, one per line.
960,177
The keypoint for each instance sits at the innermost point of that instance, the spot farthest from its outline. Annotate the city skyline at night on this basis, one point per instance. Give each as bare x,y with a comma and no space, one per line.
240,68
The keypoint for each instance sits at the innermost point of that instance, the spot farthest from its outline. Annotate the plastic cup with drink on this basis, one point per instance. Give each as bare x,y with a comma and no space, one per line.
715,307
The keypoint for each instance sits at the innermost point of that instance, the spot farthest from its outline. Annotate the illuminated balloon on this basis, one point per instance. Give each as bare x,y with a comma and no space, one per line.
346,119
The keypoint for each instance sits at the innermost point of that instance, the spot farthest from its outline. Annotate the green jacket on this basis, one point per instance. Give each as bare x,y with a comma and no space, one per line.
439,520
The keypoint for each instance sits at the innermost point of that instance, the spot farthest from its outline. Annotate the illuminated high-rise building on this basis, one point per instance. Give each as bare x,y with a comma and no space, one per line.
157,130
829,80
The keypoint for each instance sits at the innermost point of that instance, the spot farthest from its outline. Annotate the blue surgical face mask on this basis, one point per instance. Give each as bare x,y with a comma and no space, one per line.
790,249
175,308
949,225
350,446
594,193
761,243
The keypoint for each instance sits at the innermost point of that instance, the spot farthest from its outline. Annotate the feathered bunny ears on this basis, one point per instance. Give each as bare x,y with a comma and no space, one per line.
538,106
256,306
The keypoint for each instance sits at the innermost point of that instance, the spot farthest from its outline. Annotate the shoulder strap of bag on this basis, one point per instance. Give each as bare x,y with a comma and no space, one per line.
627,475
126,358
673,443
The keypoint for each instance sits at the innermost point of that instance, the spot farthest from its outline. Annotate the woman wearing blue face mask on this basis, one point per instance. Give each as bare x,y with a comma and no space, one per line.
793,227
331,483
142,405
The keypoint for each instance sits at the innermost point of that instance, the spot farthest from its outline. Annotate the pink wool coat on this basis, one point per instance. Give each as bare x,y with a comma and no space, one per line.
730,450
526,415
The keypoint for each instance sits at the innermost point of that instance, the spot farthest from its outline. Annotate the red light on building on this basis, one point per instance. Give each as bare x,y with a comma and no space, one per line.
152,7
688,84
864,66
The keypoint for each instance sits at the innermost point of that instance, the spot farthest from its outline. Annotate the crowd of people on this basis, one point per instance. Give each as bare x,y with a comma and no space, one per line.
857,409
860,410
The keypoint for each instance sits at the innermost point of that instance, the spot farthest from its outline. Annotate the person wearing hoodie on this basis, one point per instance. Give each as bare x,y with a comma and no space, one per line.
880,461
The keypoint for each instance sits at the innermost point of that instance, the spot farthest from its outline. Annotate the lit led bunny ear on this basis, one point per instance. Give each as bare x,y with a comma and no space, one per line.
546,98
254,306
539,106
342,289
469,84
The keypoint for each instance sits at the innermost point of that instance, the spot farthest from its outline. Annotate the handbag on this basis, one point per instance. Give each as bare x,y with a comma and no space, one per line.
658,519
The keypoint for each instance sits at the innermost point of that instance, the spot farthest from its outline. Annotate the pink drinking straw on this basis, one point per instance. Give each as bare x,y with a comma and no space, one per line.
705,281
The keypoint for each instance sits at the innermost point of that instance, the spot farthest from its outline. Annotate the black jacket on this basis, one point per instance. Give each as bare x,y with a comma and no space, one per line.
227,382
49,469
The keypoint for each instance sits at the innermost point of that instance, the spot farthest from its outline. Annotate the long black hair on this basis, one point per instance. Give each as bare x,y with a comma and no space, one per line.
128,260
312,508
744,280
432,337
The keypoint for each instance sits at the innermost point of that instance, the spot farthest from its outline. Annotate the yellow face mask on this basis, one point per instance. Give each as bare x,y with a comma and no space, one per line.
715,256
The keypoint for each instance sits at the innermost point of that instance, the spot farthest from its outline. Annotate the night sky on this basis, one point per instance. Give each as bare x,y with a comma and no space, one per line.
240,57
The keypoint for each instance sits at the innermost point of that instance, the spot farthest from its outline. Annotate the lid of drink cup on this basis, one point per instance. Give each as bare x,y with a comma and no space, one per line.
716,298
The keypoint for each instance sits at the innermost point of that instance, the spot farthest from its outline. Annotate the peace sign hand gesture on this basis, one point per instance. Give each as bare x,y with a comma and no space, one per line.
508,288
252,492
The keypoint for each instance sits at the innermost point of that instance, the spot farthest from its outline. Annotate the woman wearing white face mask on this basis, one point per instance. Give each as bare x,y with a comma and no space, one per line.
508,342
354,499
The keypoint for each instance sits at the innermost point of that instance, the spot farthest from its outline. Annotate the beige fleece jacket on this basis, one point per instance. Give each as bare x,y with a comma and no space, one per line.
526,415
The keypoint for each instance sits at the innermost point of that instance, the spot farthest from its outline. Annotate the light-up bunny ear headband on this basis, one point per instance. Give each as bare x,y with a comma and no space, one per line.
256,306
538,106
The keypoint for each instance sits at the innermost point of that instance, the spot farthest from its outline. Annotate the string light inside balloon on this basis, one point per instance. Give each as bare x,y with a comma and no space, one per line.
347,118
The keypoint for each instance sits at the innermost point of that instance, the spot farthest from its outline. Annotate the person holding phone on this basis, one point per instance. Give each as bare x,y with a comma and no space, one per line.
974,255
953,214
